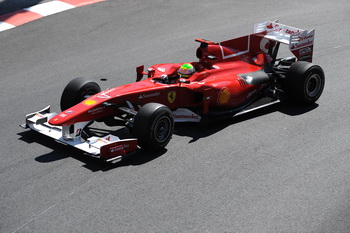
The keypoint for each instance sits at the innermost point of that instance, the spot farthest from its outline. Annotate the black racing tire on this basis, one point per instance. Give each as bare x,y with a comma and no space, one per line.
153,126
76,91
304,83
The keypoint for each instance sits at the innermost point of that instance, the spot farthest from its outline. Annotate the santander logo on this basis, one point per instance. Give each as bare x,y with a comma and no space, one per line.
288,31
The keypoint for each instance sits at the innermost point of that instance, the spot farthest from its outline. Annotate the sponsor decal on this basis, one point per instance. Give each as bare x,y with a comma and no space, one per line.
104,94
304,51
143,96
291,32
301,45
69,112
105,140
273,28
270,26
119,148
251,94
171,96
63,115
96,110
307,37
78,132
185,116
264,45
90,102
305,58
305,40
224,96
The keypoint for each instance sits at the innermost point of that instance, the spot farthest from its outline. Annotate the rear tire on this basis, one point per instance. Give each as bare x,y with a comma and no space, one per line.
153,126
76,91
304,82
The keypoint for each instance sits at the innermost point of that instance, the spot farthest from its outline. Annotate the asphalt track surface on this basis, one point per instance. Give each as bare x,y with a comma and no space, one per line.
280,169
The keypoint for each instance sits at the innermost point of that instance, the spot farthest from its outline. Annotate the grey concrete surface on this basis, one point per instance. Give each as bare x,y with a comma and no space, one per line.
281,169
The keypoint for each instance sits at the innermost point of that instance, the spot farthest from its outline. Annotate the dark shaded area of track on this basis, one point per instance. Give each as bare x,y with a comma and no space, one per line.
9,6
280,169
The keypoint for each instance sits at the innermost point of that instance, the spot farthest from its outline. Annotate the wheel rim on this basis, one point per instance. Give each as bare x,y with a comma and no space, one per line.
313,85
162,129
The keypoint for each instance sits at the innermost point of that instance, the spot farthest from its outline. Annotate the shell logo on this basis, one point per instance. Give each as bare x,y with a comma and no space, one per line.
224,96
265,45
90,102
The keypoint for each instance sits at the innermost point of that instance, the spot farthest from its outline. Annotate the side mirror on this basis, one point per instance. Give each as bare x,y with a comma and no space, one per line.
212,57
139,72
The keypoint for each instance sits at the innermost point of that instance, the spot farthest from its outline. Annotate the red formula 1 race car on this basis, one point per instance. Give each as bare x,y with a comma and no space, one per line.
230,78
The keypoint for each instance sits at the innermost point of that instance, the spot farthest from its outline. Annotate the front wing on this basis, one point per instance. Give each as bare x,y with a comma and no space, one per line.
109,148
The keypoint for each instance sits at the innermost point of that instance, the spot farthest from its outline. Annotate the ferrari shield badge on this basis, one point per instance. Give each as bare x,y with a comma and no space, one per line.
171,96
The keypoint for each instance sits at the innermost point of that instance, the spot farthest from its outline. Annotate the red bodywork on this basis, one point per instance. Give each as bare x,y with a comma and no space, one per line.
215,85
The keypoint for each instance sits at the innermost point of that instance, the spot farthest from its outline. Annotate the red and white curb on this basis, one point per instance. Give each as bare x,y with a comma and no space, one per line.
26,15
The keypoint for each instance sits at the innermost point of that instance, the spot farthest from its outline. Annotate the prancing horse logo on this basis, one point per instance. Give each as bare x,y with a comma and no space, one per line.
171,96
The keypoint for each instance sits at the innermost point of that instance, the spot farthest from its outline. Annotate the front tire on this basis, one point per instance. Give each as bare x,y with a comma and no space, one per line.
153,126
76,91
304,82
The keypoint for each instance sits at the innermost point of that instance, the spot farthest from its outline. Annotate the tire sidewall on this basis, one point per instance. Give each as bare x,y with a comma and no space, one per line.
76,90
147,122
298,79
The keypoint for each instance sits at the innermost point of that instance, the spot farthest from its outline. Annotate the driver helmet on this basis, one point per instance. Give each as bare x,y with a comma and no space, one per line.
186,70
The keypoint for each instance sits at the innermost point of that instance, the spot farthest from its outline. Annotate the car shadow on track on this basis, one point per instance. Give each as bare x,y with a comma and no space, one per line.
136,159
204,130
192,130
60,151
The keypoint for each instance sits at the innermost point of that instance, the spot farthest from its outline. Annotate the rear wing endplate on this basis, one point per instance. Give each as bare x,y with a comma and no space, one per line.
300,41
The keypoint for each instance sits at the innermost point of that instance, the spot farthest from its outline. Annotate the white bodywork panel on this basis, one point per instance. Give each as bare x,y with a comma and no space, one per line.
38,121
185,115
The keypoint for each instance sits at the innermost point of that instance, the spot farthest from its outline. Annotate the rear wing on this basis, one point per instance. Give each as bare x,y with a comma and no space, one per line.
300,41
